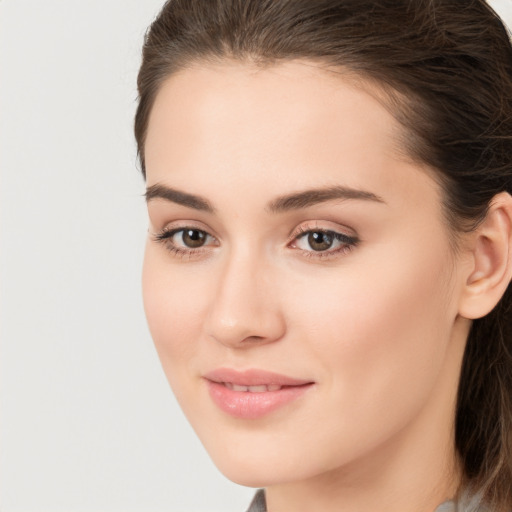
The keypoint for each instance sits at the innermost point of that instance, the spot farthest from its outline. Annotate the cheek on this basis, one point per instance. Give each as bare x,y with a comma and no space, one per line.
380,331
173,302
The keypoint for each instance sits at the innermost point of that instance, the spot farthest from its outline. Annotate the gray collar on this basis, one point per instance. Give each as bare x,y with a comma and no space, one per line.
465,504
258,503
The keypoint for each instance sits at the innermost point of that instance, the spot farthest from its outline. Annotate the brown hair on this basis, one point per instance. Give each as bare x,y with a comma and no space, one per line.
446,66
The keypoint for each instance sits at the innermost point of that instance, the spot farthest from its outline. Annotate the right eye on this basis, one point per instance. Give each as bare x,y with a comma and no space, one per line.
191,238
186,240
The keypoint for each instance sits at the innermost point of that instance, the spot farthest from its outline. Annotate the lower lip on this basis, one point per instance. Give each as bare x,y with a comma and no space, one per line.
250,405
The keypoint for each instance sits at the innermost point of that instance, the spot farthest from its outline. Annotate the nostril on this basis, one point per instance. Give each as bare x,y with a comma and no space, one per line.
243,336
254,339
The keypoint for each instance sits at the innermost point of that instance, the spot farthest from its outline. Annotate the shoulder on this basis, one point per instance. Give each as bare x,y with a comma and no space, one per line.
466,503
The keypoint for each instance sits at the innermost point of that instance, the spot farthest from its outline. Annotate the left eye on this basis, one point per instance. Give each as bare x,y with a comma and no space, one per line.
323,241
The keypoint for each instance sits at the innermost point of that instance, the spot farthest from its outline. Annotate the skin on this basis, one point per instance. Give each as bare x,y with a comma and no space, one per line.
375,325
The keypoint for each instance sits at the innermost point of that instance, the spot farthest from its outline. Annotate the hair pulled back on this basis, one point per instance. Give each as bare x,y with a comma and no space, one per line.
446,67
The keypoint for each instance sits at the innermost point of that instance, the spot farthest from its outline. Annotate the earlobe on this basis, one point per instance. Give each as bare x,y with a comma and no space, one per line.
491,256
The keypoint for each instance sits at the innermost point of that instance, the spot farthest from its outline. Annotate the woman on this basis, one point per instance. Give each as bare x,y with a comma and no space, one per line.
329,253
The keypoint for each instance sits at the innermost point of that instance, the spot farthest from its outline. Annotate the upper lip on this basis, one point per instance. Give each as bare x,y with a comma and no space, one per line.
253,377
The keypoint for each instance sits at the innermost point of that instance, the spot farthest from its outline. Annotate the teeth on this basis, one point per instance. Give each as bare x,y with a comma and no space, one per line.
252,389
257,389
236,387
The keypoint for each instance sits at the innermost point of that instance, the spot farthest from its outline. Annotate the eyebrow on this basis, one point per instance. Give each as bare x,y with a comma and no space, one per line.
159,191
293,201
296,201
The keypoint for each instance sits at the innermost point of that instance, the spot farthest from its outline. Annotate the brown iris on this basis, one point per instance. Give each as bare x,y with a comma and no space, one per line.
320,240
193,238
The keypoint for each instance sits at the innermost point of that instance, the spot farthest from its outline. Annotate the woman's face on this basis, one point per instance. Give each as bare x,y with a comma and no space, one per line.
299,281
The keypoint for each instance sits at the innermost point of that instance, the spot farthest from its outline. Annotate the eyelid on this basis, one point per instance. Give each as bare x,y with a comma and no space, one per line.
168,233
325,227
184,224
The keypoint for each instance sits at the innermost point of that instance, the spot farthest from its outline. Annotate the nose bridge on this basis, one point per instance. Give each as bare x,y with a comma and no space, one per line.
244,308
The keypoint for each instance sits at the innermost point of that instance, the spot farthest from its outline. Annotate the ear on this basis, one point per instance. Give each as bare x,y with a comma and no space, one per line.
490,249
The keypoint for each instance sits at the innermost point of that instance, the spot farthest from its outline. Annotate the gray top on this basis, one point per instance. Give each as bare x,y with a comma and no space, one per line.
466,504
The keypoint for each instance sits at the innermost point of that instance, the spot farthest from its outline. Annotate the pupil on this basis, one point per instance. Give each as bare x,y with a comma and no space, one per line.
194,238
320,241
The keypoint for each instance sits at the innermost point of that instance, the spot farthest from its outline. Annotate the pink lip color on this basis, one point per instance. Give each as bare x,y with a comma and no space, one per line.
250,404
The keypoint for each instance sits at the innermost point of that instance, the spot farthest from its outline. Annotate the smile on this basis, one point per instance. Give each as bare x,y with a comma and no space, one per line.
253,394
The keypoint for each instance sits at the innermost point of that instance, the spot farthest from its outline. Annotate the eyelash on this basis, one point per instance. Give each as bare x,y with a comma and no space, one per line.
165,237
348,243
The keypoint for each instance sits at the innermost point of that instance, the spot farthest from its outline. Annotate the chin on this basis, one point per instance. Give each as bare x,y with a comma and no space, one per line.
245,468
260,467
247,479
250,476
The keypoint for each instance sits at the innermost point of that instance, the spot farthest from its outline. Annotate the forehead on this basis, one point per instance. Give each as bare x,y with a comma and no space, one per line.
262,106
294,125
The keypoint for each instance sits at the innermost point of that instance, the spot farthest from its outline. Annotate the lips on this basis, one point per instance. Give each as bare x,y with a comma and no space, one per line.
253,393
253,377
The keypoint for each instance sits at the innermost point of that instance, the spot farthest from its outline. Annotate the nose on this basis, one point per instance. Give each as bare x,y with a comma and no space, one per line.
245,309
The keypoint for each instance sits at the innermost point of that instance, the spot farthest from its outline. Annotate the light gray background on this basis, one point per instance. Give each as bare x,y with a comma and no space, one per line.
87,422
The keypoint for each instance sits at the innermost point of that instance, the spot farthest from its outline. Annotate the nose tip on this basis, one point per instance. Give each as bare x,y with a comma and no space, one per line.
244,311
